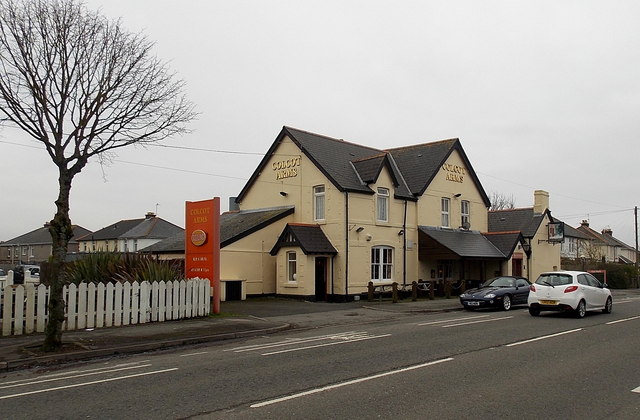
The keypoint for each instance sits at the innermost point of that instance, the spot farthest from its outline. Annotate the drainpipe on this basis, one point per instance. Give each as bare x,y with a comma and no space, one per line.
404,246
346,243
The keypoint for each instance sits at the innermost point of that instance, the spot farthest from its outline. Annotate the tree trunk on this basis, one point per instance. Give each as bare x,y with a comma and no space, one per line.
61,232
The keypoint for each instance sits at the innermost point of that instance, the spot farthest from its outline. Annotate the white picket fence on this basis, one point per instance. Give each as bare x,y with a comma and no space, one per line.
24,307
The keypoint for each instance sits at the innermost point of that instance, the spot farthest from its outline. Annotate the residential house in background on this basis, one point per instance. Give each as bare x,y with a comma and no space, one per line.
533,224
605,247
129,235
575,244
36,246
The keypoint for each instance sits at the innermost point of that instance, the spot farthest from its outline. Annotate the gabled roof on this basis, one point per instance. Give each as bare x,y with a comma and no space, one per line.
309,238
462,243
506,242
607,239
42,236
351,167
148,227
234,225
420,164
523,220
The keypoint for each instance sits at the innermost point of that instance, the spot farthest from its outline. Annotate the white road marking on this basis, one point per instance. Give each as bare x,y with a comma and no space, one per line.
294,341
452,320
194,354
325,344
352,382
72,372
636,390
622,320
543,337
476,322
40,391
79,375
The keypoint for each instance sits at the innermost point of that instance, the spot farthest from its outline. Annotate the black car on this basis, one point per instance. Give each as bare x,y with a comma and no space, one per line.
501,292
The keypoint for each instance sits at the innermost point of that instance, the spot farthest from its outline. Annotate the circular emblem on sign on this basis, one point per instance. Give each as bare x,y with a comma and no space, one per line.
198,237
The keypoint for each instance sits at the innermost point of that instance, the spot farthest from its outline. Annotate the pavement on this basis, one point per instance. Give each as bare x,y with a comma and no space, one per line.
237,319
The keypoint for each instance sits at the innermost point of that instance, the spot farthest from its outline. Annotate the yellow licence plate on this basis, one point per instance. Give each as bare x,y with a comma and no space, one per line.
548,302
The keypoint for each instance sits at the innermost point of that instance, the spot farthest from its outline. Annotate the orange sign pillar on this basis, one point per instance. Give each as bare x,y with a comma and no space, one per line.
202,244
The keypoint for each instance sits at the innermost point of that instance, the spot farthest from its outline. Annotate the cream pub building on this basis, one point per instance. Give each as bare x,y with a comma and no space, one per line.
321,217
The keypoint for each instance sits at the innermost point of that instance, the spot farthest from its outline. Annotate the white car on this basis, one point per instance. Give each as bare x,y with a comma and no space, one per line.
575,291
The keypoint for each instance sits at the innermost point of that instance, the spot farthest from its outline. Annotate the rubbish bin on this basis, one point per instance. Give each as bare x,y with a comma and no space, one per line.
18,275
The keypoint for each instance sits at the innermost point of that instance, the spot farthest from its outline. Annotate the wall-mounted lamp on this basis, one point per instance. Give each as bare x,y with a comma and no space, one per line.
401,232
283,193
360,229
457,195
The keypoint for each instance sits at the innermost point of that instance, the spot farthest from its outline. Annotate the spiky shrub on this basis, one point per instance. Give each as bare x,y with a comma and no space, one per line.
109,267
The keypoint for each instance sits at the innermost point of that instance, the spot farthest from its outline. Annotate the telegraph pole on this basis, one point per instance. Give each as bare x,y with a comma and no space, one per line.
635,213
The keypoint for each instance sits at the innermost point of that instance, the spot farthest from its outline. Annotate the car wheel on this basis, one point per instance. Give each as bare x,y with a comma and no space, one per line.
581,310
534,311
506,302
608,307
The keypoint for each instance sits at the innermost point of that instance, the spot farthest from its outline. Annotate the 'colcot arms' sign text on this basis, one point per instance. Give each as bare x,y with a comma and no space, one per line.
287,168
454,173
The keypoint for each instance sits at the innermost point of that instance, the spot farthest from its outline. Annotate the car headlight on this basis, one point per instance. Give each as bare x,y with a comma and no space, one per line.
490,295
463,295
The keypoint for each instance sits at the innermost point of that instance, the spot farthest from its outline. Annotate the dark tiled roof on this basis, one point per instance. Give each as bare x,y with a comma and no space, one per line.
506,242
113,231
42,236
350,167
523,220
152,227
463,243
309,238
369,168
234,225
419,164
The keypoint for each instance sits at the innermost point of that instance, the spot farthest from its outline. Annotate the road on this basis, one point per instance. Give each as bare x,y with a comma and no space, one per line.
484,364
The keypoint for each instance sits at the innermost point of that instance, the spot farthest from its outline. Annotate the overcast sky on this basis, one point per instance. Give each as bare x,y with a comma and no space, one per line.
542,95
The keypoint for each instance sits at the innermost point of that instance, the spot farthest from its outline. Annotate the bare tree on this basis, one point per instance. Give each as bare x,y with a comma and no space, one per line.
502,201
83,87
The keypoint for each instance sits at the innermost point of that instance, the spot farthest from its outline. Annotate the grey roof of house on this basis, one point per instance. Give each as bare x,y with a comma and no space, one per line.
350,167
604,238
420,163
42,236
148,227
523,220
234,225
506,242
310,238
464,243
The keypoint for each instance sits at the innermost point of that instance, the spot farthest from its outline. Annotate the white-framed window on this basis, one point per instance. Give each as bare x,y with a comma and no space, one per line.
382,206
318,202
135,245
24,251
444,211
381,263
291,266
465,213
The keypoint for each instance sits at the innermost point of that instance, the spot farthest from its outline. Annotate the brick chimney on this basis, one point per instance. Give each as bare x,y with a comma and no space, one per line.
540,201
150,215
607,231
584,223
